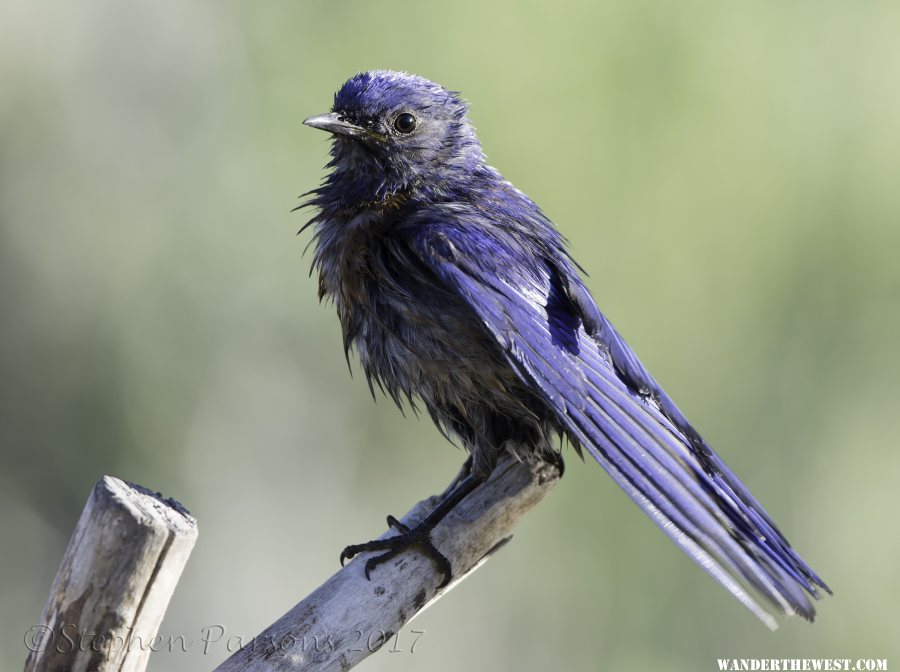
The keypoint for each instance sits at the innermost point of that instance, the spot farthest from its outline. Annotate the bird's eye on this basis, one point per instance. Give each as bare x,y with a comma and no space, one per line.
405,123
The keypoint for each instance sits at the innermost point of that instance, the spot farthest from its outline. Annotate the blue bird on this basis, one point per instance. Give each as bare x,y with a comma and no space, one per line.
459,293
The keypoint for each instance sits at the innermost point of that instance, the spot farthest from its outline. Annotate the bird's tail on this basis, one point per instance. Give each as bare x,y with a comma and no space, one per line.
691,494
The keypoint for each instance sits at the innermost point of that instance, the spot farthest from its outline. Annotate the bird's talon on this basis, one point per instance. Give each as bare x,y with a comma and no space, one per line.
372,563
443,564
395,524
396,545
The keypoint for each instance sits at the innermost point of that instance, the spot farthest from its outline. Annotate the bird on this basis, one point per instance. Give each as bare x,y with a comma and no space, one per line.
459,294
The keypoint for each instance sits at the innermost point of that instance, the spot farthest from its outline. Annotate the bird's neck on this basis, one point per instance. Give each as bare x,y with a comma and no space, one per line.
345,195
361,180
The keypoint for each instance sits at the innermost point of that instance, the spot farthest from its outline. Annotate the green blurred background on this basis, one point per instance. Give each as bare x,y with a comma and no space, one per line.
727,174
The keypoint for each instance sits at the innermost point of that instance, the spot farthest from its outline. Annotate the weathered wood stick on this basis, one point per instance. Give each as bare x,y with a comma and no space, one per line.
114,582
349,617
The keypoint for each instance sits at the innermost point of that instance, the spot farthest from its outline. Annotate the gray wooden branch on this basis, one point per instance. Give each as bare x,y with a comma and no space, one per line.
348,617
114,582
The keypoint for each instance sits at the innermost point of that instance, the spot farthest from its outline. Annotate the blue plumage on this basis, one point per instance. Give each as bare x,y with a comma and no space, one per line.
458,292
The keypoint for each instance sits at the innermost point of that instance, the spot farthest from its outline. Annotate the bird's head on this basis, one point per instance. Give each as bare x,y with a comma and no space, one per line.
393,132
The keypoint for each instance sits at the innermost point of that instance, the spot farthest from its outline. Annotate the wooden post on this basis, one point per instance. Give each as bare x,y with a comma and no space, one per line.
114,583
349,617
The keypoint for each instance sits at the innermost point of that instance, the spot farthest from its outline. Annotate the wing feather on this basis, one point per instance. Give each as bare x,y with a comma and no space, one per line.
557,341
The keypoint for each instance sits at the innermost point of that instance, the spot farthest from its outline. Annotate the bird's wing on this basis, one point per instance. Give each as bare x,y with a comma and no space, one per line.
558,342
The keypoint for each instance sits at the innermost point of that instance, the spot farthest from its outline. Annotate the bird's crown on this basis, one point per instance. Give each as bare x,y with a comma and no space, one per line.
378,92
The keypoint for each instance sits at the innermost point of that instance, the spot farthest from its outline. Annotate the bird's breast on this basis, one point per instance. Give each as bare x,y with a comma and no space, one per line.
413,337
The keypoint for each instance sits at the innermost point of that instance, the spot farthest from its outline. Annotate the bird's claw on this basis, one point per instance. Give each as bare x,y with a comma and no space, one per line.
350,551
397,525
418,536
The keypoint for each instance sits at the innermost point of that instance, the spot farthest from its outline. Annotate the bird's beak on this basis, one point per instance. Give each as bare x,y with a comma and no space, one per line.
334,122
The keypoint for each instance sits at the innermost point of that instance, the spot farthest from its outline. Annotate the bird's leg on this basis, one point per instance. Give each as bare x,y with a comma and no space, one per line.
420,535
464,471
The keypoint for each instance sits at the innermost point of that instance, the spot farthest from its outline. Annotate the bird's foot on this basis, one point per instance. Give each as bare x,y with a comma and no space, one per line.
420,536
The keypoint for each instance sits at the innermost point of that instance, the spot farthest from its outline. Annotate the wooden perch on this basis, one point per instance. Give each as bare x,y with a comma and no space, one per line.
114,582
349,617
